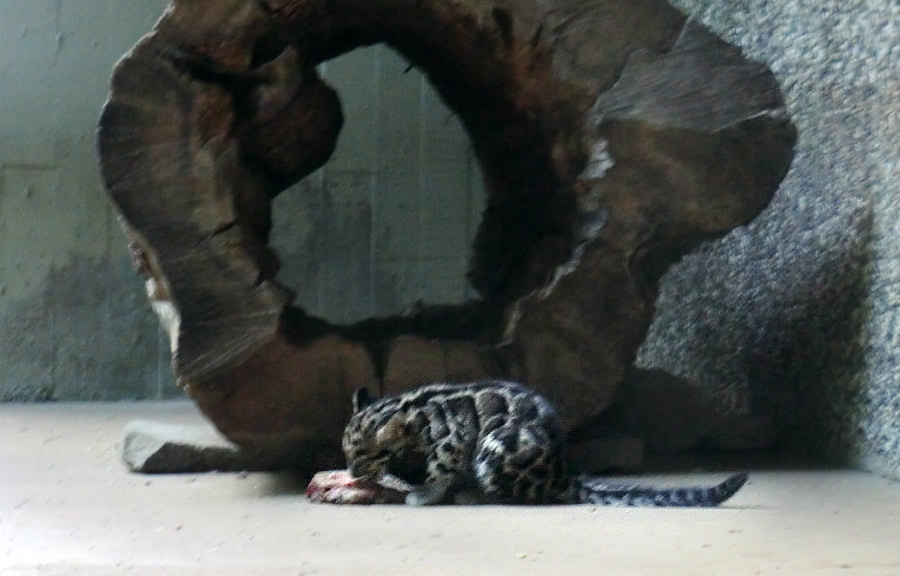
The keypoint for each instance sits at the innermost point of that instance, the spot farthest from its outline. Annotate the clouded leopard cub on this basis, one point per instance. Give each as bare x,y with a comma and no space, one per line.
497,438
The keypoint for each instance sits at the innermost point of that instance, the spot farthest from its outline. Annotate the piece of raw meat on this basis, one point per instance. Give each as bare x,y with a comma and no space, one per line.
339,487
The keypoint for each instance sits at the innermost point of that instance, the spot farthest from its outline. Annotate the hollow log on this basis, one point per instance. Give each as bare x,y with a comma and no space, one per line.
613,137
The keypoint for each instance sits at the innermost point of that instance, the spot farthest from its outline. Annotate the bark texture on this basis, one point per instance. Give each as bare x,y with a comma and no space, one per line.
613,135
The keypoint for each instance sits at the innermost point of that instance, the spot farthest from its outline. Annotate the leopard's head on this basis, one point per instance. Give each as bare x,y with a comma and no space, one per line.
376,432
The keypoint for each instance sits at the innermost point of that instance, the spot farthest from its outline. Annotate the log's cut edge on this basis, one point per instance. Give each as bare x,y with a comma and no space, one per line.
613,137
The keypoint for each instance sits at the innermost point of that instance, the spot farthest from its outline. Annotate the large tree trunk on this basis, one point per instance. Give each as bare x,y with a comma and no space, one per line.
613,136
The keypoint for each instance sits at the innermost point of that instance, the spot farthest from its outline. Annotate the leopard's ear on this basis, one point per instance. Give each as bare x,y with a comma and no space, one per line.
362,398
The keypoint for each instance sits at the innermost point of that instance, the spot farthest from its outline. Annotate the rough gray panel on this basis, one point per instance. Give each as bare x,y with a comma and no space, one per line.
794,315
89,335
28,35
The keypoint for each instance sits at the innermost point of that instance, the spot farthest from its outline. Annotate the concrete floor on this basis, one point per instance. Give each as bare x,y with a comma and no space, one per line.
67,506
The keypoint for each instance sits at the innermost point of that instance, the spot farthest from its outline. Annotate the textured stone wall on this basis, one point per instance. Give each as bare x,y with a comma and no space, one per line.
796,315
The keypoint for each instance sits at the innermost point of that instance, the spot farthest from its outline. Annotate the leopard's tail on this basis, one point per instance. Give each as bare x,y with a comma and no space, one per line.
589,490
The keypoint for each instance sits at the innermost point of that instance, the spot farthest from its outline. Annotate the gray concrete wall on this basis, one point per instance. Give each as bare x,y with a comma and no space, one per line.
73,320
796,316
386,223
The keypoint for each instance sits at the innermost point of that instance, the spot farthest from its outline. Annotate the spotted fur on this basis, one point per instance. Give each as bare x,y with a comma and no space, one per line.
497,440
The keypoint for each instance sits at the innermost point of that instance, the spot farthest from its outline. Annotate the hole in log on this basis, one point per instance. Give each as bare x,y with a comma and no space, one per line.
387,224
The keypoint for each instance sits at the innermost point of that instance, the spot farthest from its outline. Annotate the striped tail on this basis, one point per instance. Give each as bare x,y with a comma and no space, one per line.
593,491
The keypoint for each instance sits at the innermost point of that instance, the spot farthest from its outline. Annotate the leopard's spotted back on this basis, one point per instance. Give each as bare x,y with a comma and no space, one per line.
499,438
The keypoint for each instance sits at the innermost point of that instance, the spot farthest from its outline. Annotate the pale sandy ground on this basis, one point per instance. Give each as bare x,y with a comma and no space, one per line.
67,506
